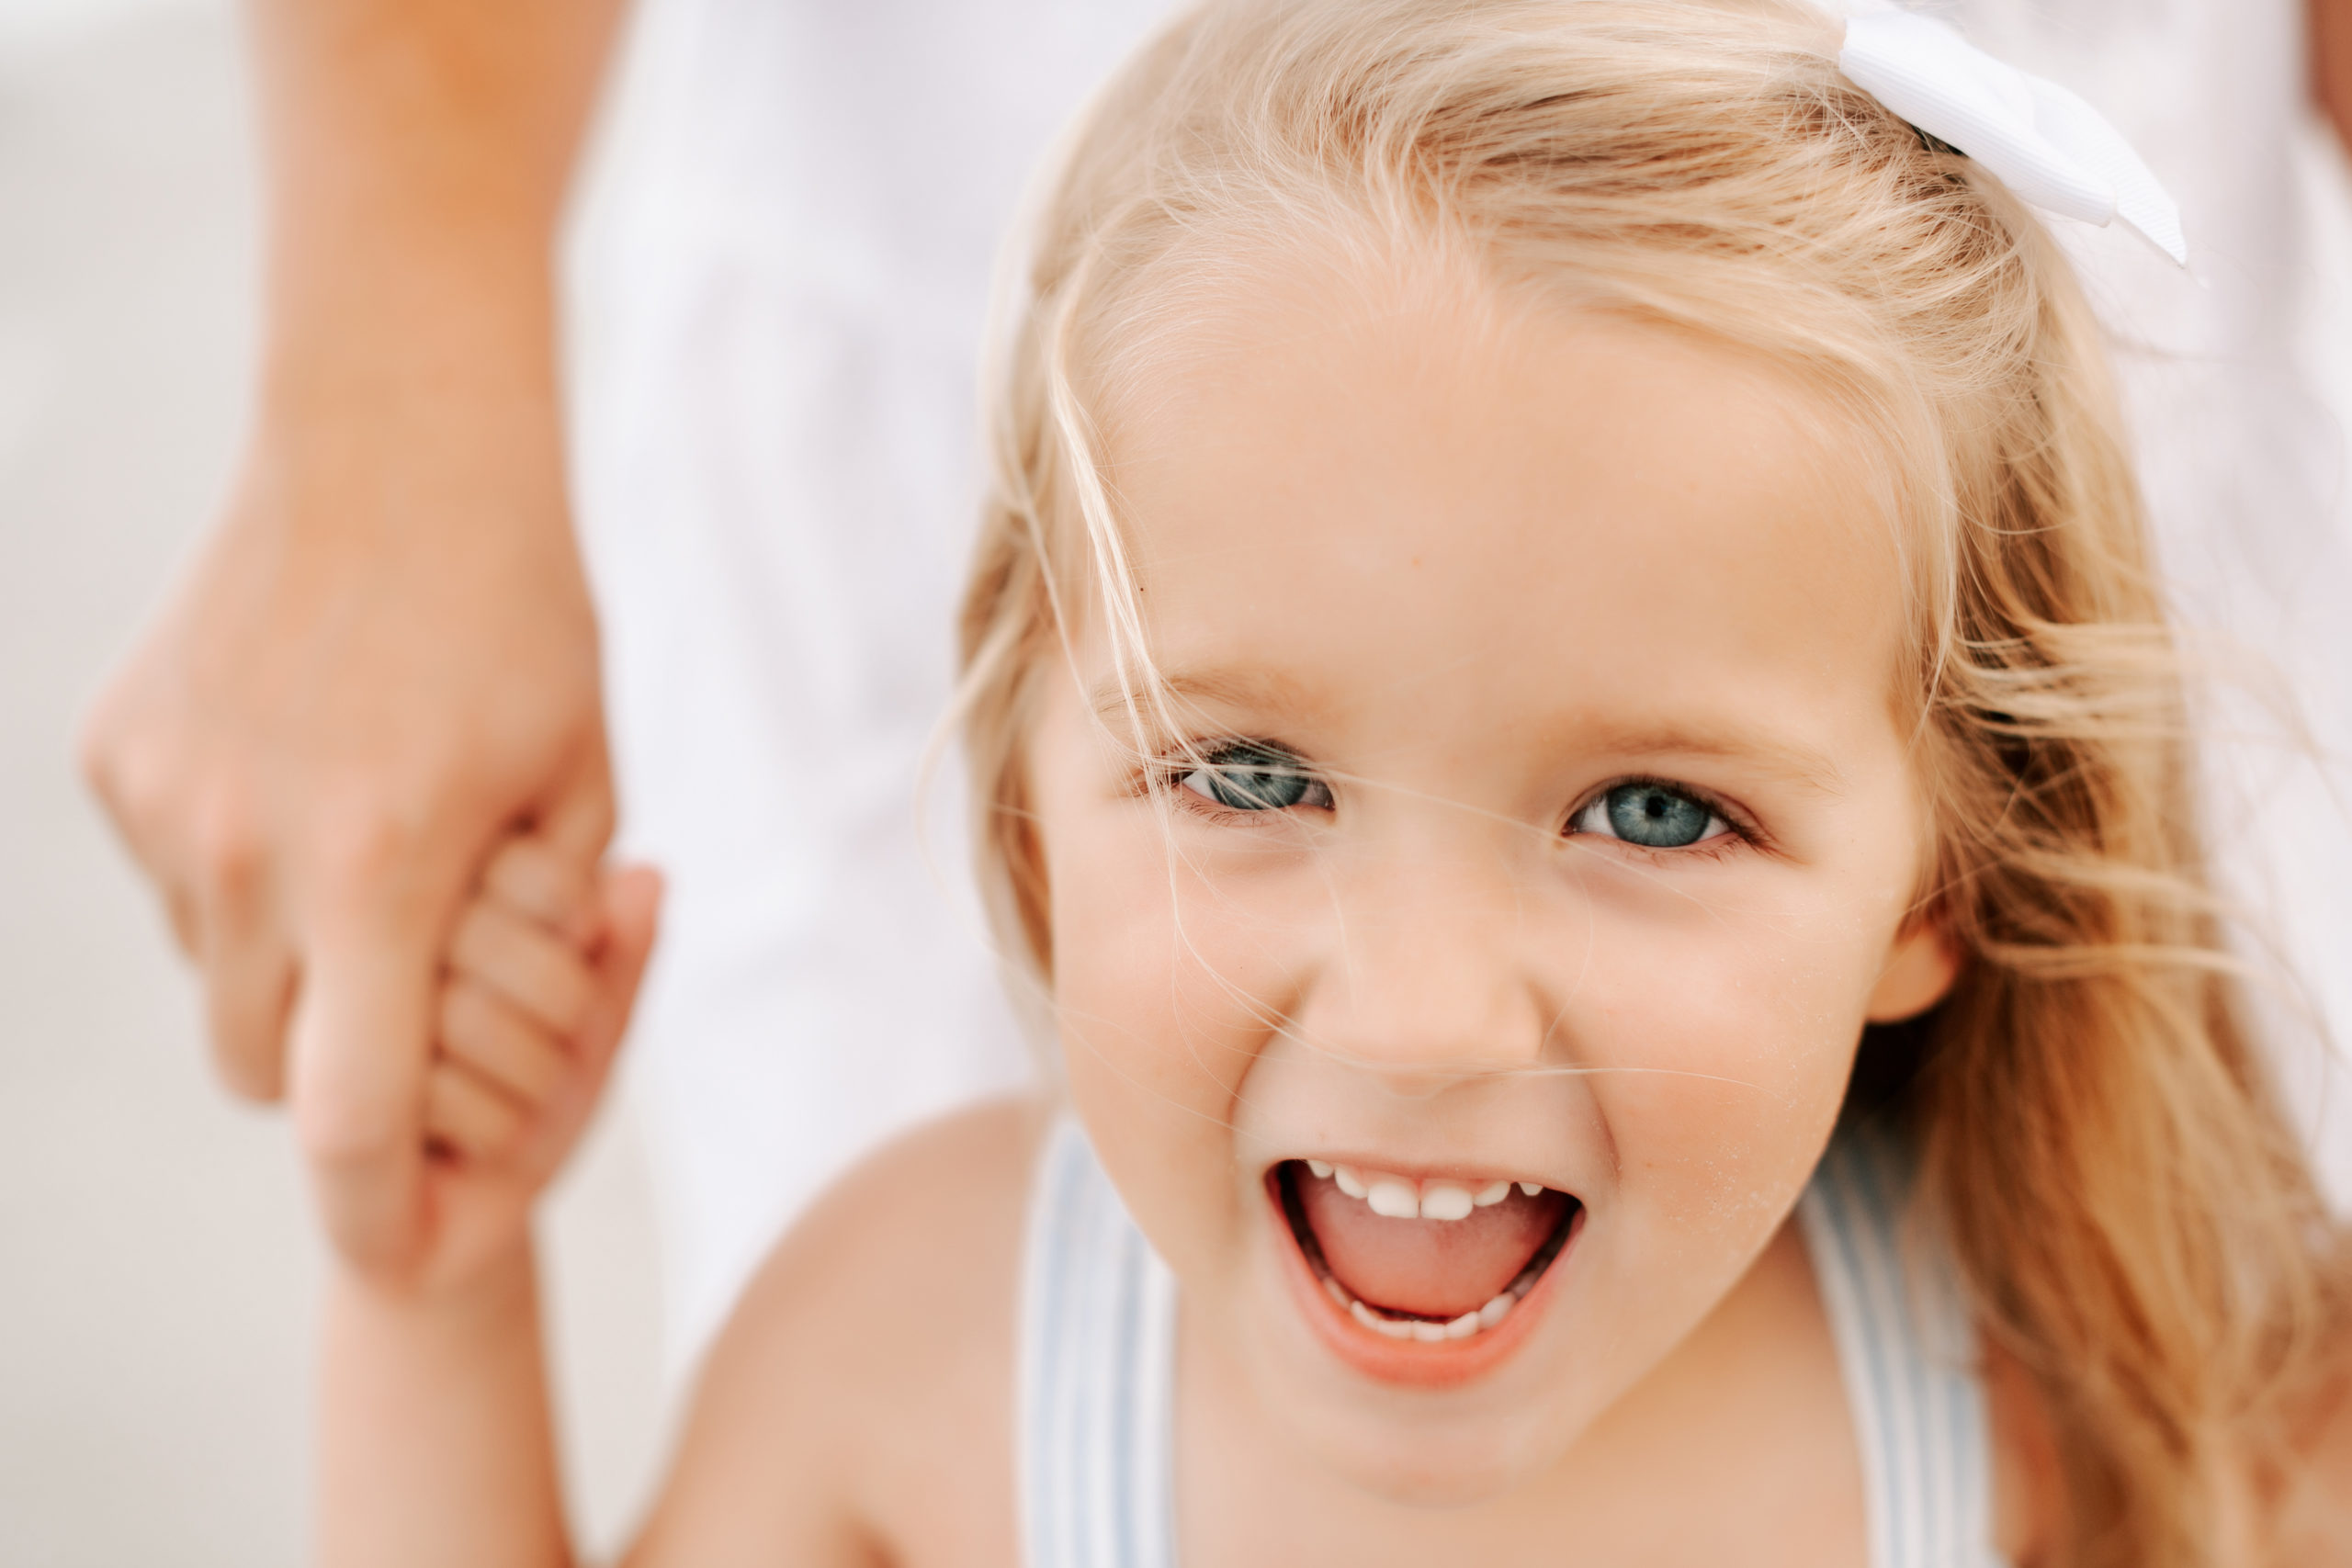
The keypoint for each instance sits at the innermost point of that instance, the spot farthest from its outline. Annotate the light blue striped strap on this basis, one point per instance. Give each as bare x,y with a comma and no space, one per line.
1097,1353
1098,1333
1906,1348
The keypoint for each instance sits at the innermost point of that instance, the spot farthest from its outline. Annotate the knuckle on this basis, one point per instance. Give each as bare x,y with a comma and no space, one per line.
132,778
570,995
107,734
133,763
444,1098
231,843
532,1073
478,1116
475,950
460,1009
517,864
256,1075
533,877
602,817
363,842
468,1023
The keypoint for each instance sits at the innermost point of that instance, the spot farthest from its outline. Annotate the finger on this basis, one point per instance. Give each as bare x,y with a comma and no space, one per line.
361,1043
136,762
128,762
188,929
488,1035
630,905
576,821
551,885
464,1113
209,872
525,963
248,997
249,971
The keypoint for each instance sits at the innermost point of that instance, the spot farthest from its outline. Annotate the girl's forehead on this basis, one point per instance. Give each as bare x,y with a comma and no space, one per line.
1504,512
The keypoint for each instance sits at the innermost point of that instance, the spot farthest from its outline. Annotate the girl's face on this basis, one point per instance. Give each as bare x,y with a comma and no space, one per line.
1561,835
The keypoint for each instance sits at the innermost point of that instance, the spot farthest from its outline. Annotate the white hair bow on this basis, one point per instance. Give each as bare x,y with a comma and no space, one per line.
2044,143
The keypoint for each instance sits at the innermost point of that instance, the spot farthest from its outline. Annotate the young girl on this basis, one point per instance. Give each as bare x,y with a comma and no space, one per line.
1577,744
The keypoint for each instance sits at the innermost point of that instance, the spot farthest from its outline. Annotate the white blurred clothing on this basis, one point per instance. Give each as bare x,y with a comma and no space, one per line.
2235,375
780,272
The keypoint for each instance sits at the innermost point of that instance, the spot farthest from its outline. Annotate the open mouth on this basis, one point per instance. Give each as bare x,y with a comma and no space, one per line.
1426,1261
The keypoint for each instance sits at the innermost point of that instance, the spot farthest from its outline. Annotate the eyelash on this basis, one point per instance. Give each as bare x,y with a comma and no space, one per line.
1738,832
1169,772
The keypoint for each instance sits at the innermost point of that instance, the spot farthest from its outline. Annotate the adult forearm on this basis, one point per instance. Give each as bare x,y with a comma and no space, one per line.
436,1442
418,153
386,655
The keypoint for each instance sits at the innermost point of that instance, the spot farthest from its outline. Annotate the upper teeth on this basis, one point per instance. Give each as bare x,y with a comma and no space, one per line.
1402,1198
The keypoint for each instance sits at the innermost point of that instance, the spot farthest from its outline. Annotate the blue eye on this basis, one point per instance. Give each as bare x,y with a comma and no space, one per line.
1250,776
1654,815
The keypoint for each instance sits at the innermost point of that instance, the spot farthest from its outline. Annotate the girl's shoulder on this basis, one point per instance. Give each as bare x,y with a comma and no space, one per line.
859,1404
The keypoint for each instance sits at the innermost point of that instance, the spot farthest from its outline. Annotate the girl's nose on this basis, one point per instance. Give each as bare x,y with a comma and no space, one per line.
1427,968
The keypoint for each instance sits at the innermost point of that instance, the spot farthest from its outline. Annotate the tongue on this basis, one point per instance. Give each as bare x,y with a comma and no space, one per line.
1429,1268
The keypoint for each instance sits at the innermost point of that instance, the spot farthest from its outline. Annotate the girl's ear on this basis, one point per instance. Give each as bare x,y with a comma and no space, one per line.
1920,969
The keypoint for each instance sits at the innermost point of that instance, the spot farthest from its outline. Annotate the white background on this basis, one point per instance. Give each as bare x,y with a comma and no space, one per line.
158,1280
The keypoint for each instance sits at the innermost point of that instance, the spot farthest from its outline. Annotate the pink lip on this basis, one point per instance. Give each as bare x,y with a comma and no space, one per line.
1446,1364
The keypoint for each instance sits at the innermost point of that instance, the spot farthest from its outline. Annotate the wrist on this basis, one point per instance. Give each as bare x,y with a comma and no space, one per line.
489,1298
418,157
443,318
435,1444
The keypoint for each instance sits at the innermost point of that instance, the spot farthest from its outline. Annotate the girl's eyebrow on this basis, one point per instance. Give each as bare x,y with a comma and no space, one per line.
1262,690
1786,760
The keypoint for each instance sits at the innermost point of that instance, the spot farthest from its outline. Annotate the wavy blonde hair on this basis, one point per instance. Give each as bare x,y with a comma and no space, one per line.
2099,1145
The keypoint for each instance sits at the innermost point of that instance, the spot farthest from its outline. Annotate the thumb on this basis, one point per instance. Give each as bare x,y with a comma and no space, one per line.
360,1050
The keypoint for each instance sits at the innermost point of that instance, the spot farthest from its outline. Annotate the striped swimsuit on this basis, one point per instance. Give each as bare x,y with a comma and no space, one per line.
1098,1338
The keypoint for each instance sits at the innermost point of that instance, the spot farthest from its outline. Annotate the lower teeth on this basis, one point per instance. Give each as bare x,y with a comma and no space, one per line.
1432,1330
1428,1330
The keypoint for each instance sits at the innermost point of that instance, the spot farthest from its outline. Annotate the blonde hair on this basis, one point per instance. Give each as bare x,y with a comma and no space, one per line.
2098,1144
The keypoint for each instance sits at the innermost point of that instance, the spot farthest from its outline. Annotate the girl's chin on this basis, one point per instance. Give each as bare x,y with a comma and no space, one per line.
1411,1446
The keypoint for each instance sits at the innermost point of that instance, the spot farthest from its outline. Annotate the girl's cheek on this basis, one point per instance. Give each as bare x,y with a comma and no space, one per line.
1175,1001
1731,1064
1167,983
1149,1049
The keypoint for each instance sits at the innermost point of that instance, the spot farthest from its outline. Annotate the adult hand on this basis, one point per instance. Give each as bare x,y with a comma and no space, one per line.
385,658
385,654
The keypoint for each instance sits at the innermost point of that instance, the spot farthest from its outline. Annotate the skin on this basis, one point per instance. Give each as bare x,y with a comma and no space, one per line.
385,658
383,666
1404,538
1474,570
384,662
